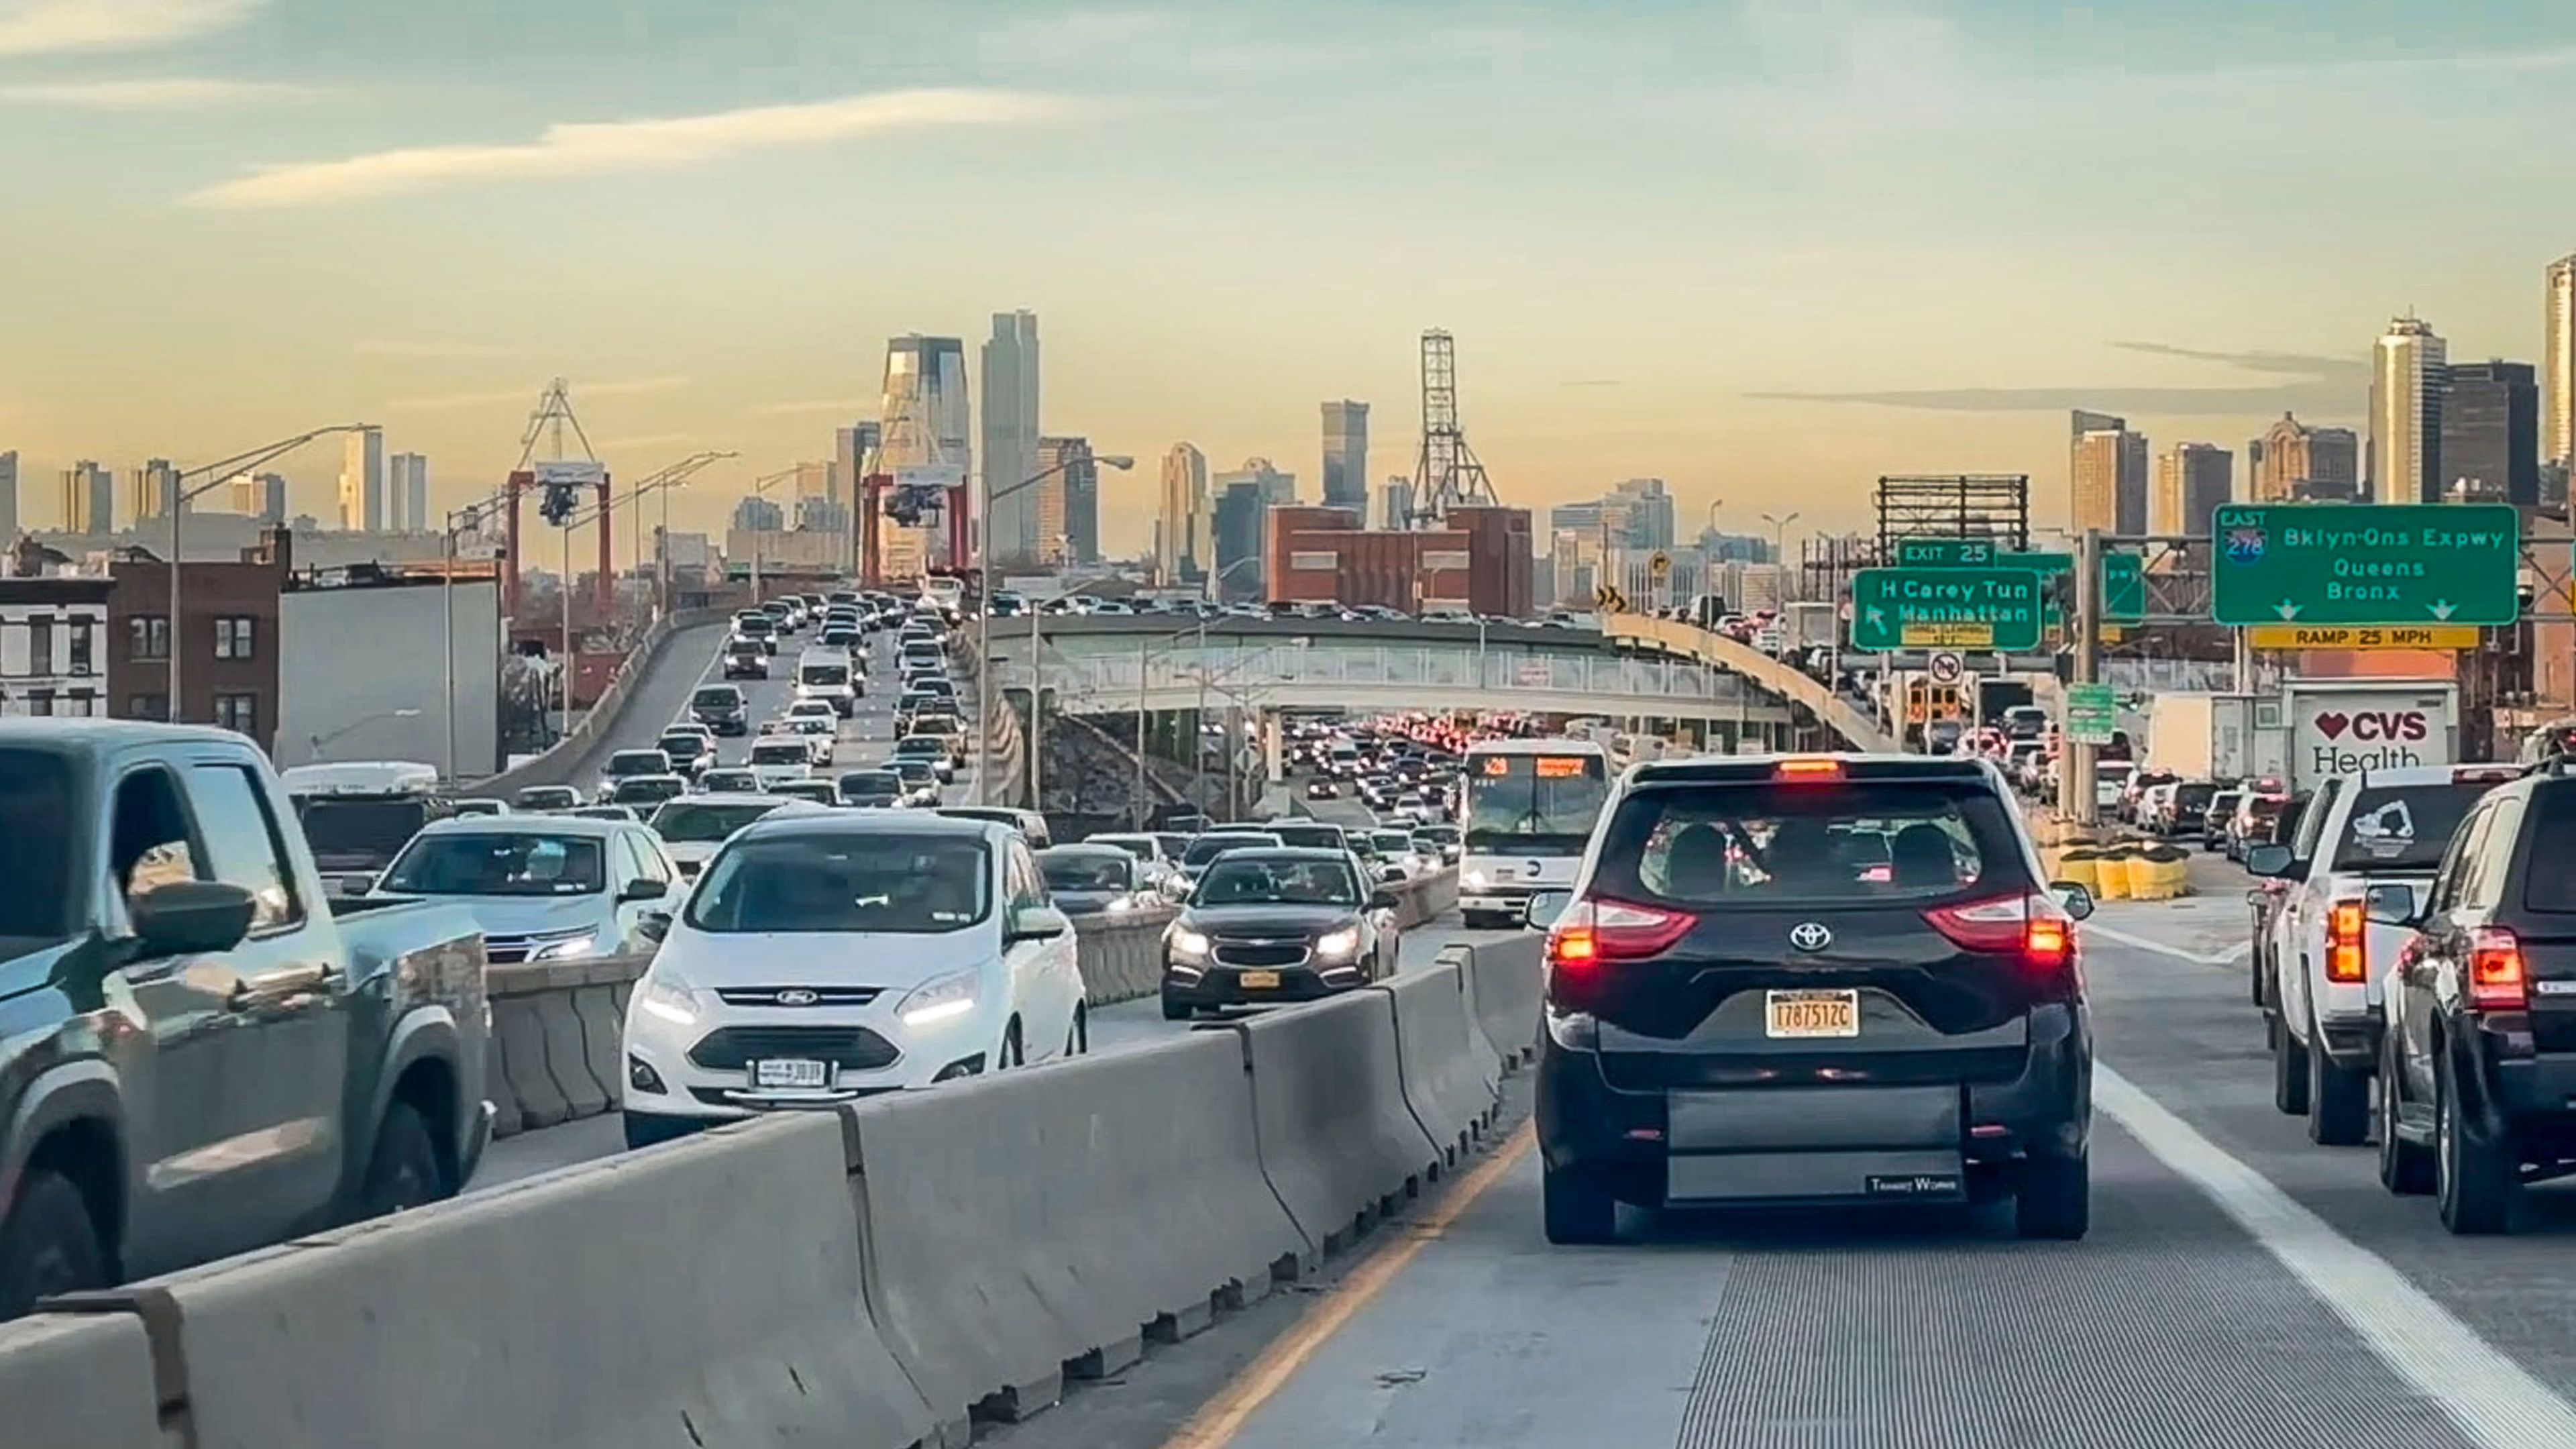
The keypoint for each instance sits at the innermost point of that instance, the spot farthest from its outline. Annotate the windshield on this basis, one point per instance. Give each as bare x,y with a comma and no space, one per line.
1208,847
723,782
871,883
872,784
513,864
1138,846
648,790
775,752
1312,837
549,797
1392,842
1718,845
1259,881
914,771
2403,827
359,831
638,762
715,699
919,745
1090,870
681,747
1534,804
687,822
35,851
824,675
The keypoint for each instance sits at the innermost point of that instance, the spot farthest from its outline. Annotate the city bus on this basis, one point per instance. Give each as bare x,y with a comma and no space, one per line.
1527,807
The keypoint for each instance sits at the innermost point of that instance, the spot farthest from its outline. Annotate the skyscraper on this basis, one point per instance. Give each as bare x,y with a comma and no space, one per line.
2292,460
1276,487
155,490
2192,480
1011,530
89,499
1181,525
261,496
407,494
2109,485
8,497
1242,511
1346,456
2409,378
1068,502
2558,365
854,449
362,482
2491,433
1395,497
755,514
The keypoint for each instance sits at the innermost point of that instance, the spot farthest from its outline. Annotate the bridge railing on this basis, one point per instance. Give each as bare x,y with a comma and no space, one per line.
1677,637
1110,679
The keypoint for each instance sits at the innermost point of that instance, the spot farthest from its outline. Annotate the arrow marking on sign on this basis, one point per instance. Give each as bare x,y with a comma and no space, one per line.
2443,608
1877,617
2286,609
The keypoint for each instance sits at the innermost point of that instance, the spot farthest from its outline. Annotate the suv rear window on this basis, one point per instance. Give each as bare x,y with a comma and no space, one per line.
1761,845
2404,827
2548,886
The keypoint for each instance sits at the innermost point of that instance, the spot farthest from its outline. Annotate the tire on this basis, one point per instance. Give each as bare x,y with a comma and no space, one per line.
48,1245
2254,974
1578,1212
2475,1180
404,1172
2289,1070
1174,1011
1077,1040
2054,1200
2338,1102
1013,1054
2405,1168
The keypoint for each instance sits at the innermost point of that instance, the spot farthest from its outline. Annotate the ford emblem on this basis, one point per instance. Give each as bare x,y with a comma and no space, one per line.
799,996
1810,936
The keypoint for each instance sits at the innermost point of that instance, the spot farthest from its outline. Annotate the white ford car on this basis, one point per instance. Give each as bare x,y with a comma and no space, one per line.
827,957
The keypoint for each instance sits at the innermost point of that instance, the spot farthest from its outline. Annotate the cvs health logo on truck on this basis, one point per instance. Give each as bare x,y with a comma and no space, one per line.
2344,732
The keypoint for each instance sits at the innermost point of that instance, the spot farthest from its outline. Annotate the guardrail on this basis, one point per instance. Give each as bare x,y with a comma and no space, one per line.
560,763
1674,636
874,1276
557,1025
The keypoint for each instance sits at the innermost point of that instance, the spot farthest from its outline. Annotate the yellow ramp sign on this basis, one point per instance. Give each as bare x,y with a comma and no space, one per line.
2403,636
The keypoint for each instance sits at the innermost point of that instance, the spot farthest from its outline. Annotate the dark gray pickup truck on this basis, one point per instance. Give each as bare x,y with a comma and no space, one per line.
199,1052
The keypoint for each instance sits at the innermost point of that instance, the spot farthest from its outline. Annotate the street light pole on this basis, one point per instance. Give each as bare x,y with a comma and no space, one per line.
984,626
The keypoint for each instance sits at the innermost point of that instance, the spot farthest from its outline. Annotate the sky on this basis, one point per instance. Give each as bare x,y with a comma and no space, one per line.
1765,249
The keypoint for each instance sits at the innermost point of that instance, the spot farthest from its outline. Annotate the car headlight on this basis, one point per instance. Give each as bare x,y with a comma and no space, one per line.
1338,945
941,1000
566,950
1186,942
1477,880
664,993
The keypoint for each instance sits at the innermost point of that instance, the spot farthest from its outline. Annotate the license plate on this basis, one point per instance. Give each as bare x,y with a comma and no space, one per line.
790,1074
1258,980
1811,1013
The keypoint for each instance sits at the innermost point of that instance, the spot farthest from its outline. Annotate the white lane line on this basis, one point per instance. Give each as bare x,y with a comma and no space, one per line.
2488,1395
2228,957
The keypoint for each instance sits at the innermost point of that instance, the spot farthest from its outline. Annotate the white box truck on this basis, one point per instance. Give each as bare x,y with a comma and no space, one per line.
2203,736
2345,726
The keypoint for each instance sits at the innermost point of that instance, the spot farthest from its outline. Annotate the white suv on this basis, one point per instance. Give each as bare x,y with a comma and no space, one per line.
827,957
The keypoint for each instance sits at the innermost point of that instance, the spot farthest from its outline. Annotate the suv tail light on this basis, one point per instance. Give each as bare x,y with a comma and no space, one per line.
2496,979
1593,932
2033,924
2345,922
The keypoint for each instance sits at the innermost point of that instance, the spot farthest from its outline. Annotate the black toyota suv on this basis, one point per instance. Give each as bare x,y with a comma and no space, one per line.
2477,1070
1788,981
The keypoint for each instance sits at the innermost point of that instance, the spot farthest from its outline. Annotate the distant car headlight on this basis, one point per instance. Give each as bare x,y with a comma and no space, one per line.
1477,880
1186,942
566,950
945,999
664,993
1338,945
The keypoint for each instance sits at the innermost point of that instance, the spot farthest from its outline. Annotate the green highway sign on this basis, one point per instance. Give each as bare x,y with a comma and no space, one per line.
1945,608
2124,588
2091,714
1946,553
2124,585
2369,564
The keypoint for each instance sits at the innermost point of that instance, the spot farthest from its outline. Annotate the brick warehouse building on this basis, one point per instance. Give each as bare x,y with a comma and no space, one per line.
1479,559
228,637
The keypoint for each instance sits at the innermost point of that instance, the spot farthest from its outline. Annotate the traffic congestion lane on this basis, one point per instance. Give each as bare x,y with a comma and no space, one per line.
1130,1024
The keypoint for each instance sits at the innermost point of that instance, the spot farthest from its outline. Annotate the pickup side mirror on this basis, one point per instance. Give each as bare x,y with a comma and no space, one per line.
2271,861
1382,901
187,917
643,888
1037,923
654,926
2391,904
2074,899
1544,907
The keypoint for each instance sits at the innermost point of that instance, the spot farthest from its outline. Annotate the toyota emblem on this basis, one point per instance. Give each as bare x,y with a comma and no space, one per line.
797,996
1810,936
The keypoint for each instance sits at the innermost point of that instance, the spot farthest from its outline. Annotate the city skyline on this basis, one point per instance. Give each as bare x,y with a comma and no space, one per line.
1988,153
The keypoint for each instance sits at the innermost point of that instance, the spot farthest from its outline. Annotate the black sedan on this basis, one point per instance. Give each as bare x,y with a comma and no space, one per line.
1272,923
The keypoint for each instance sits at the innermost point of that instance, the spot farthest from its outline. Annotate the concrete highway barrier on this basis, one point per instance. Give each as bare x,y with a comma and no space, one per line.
1122,955
1337,1141
1450,1072
73,1382
1506,987
1029,1226
556,1027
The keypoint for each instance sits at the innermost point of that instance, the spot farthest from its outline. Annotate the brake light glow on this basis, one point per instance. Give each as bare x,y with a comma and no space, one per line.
1809,770
2496,979
1593,932
2344,960
2033,925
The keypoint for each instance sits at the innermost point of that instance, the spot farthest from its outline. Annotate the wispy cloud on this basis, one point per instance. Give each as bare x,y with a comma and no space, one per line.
419,351
54,27
2317,384
165,93
581,393
807,406
601,148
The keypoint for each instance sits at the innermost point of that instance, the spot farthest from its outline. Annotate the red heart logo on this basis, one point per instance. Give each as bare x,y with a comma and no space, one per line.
2331,725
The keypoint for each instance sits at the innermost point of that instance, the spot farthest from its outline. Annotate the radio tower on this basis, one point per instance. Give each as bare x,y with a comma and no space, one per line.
1448,475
